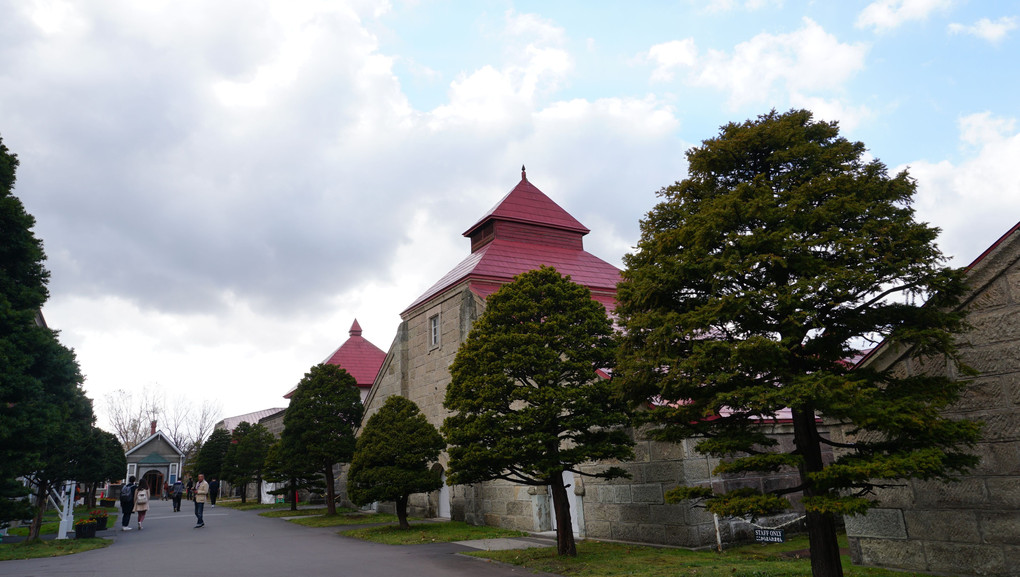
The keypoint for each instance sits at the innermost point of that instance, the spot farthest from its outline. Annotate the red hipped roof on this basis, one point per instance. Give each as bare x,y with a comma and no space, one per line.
518,249
357,356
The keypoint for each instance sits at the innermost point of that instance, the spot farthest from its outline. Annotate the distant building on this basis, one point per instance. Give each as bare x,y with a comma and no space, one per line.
156,460
971,527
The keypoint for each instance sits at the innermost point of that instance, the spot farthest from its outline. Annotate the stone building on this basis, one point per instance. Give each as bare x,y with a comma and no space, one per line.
971,527
523,231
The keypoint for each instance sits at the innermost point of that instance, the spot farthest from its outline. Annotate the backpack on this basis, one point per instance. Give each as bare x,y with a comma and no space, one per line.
143,497
127,494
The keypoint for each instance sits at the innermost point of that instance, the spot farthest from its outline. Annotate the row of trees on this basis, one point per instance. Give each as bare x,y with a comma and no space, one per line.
47,426
755,278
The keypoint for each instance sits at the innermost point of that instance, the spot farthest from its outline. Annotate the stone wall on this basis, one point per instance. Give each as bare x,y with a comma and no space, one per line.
971,527
623,509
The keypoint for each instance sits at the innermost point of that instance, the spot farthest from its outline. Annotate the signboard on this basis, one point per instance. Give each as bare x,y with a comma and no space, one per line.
770,535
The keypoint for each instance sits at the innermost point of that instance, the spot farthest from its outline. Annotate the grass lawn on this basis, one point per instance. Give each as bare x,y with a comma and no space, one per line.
50,548
345,519
250,505
305,512
51,521
440,532
599,559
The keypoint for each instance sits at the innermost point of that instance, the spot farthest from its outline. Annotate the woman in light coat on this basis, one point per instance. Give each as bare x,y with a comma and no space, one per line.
141,502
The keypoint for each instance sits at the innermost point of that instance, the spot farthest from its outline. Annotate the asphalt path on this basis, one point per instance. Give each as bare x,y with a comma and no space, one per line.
240,543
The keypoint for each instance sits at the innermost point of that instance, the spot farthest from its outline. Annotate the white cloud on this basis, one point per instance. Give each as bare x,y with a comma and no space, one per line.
884,15
728,5
978,199
830,109
768,67
987,29
669,56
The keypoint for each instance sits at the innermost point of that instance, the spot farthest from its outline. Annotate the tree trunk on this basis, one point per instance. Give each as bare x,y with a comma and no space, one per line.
330,492
402,512
40,507
821,527
293,494
244,493
564,529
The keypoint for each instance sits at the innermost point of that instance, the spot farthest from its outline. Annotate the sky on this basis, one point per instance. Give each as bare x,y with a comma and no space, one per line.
222,188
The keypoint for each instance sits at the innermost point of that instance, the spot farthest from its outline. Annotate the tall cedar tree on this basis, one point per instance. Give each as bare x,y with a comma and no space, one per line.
393,456
22,292
528,402
245,460
45,418
320,421
288,466
754,280
210,457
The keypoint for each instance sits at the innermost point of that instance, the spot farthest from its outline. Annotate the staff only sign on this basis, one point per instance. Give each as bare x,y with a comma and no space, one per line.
770,535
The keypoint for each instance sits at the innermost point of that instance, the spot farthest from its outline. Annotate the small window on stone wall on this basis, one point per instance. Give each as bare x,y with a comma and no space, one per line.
433,331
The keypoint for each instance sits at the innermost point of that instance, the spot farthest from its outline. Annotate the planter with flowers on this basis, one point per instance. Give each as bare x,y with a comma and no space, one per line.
84,528
100,517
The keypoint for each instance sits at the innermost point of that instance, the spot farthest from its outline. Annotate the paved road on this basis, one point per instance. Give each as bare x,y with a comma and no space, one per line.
240,543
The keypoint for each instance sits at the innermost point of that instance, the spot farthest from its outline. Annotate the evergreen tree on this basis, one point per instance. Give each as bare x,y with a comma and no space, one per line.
22,294
392,458
245,459
289,466
754,280
210,457
44,415
102,459
324,412
528,402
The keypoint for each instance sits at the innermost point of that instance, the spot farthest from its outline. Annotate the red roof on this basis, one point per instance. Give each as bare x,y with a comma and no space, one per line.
514,250
527,204
357,356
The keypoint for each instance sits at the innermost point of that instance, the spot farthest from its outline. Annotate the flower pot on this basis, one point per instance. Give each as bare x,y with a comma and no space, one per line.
107,502
85,531
101,523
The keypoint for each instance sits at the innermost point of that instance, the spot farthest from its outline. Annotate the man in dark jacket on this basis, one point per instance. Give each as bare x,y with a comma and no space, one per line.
214,491
176,493
127,503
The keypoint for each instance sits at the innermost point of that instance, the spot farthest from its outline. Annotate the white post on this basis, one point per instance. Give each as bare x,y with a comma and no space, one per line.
67,514
718,535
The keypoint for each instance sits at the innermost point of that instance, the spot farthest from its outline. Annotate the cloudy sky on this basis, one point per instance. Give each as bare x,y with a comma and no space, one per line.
223,187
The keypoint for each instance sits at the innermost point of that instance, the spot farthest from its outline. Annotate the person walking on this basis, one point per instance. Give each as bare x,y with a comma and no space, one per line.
127,503
201,493
176,493
141,502
214,491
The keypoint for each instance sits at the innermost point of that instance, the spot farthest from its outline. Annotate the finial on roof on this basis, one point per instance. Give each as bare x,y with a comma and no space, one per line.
355,329
524,173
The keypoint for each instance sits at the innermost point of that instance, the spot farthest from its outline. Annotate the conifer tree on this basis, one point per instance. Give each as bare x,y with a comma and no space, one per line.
754,280
44,414
393,456
528,402
324,412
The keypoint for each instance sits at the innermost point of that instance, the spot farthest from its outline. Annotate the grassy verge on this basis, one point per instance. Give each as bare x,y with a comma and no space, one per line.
249,506
54,548
300,512
442,532
345,519
598,559
51,521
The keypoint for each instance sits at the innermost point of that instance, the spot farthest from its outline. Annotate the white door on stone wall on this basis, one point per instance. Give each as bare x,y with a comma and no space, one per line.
444,498
568,481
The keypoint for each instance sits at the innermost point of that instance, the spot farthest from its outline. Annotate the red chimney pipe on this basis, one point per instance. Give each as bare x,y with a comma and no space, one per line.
152,428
